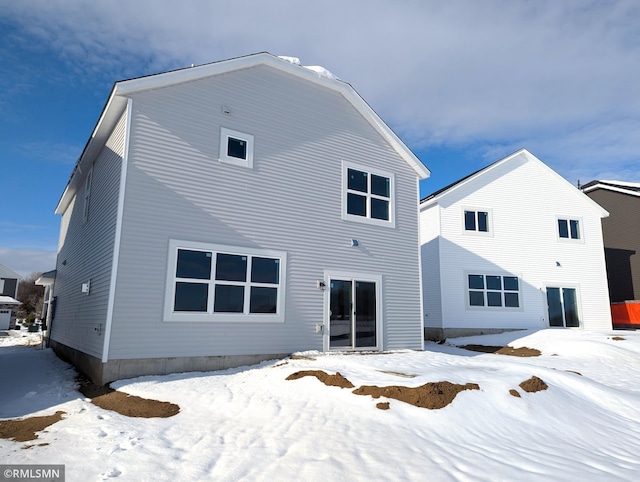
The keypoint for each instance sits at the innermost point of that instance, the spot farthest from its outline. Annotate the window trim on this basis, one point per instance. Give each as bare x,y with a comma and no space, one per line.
579,239
225,134
486,307
476,232
169,315
391,223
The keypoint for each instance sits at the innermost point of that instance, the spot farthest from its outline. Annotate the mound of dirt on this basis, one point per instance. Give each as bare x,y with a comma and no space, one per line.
533,384
618,338
128,405
430,395
503,350
383,405
336,380
25,429
515,393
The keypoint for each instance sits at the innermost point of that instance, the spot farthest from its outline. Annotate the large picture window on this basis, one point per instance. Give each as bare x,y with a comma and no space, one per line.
367,195
493,291
223,283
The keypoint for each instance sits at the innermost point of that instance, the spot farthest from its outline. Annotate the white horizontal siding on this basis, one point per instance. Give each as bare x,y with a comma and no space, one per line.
86,253
430,253
290,201
524,200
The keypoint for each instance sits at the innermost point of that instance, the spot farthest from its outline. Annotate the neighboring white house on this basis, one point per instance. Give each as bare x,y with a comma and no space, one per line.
9,280
232,212
512,246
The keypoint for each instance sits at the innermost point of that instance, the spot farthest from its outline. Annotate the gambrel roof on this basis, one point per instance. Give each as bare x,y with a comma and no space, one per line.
518,156
117,102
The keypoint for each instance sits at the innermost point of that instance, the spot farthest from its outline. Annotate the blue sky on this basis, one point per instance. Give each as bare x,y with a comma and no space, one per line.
462,82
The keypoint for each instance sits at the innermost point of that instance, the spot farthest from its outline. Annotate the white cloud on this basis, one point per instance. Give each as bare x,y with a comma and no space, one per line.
555,76
27,261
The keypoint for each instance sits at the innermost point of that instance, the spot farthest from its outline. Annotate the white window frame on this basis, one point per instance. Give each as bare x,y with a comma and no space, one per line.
476,232
486,307
225,134
87,195
568,219
367,219
170,315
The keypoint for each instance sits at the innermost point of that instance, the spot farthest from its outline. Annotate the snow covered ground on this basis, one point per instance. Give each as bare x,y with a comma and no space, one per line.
253,424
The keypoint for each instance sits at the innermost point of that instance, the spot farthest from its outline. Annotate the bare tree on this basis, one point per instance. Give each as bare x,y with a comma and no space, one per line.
31,296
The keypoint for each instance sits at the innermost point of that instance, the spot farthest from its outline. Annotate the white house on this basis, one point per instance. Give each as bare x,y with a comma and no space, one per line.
512,246
9,280
232,212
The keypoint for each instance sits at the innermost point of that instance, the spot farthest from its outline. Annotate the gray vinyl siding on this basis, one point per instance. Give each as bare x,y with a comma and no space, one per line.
86,253
290,201
621,233
430,251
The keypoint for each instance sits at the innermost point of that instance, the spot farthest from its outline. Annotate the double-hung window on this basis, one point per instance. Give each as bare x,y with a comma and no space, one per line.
223,283
493,291
477,221
569,228
236,147
368,196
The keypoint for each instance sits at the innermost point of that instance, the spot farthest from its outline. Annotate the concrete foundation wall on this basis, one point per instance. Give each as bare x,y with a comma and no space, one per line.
440,334
103,373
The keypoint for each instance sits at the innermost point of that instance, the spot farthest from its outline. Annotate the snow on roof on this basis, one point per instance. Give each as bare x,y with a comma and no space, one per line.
321,71
8,300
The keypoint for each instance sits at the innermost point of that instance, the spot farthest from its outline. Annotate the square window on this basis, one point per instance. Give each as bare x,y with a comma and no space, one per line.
511,300
476,281
191,297
510,283
380,186
265,270
494,298
569,228
367,197
476,298
379,209
237,148
357,180
193,264
231,267
229,299
356,205
263,300
494,282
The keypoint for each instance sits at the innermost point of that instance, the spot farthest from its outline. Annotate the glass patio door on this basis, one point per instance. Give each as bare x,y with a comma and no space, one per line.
352,314
562,304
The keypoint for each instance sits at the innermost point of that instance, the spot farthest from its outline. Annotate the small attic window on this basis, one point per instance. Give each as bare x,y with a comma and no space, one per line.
236,148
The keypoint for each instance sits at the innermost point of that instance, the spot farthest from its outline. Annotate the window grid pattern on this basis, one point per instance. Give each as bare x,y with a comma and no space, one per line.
368,195
217,282
493,291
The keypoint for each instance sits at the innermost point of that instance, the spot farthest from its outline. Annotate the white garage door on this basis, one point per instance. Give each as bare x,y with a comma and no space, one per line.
5,317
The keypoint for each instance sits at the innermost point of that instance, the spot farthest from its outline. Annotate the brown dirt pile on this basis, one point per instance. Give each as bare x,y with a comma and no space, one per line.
128,405
618,338
503,350
533,384
383,405
515,393
430,395
25,429
336,380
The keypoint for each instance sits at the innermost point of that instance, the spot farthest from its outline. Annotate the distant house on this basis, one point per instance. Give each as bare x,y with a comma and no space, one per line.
621,233
512,246
232,212
8,293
